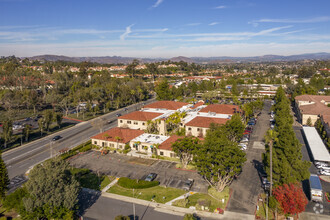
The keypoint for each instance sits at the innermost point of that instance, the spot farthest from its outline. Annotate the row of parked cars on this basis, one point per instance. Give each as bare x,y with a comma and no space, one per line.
246,135
323,168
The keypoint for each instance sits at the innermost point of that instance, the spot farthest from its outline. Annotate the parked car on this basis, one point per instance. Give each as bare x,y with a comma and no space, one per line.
244,139
251,123
320,164
188,184
118,115
57,137
324,172
151,177
243,146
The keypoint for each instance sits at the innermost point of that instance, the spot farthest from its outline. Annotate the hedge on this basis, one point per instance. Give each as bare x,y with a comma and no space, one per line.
80,148
136,184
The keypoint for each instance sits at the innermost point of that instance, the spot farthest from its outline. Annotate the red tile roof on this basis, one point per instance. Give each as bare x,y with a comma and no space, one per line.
140,116
205,122
167,145
125,134
170,105
315,109
315,98
221,109
197,104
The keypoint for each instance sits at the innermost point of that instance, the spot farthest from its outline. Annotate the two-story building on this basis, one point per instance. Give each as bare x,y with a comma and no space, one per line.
311,106
116,137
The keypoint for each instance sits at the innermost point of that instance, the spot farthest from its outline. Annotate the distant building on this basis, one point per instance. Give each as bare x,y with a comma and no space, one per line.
311,106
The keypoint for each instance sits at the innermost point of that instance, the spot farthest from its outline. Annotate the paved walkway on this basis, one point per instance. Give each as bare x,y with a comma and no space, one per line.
180,197
110,185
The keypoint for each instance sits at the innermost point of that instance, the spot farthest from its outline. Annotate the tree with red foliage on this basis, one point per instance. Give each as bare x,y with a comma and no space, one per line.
291,198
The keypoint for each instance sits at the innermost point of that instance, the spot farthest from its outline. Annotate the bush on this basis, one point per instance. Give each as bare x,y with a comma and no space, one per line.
85,148
121,217
136,184
127,149
14,200
189,217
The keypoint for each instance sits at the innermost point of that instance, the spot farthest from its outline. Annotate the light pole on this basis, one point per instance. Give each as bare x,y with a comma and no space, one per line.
134,204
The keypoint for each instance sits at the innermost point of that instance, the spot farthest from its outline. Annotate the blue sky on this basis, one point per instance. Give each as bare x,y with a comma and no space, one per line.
164,28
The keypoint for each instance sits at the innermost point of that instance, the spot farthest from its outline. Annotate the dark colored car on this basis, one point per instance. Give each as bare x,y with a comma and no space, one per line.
188,184
118,115
57,137
151,177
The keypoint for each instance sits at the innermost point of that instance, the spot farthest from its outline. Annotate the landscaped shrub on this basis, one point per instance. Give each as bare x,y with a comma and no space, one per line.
136,184
85,148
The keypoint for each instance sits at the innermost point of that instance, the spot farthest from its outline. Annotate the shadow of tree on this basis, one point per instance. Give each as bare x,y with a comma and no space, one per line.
87,198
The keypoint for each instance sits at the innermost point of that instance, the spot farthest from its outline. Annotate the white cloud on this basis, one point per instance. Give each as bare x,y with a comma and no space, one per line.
127,32
157,3
213,23
285,20
193,24
220,7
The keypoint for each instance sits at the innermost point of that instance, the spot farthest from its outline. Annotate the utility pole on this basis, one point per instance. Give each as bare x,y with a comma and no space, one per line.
133,206
271,167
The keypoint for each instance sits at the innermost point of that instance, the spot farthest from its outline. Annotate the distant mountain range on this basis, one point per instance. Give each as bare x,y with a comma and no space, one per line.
199,60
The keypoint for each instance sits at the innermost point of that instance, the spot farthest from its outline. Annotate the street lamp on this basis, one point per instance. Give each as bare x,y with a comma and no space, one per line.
134,204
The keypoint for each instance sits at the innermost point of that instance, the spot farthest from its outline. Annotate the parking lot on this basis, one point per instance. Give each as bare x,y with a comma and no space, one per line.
138,168
248,185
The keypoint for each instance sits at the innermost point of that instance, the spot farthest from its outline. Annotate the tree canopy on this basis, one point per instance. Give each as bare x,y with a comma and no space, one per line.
219,159
53,191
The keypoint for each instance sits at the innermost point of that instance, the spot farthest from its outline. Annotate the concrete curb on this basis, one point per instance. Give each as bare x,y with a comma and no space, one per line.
178,210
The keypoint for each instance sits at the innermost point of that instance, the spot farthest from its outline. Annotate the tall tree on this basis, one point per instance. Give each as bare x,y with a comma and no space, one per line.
7,131
48,118
26,132
235,128
4,179
185,148
163,90
291,198
219,160
58,119
53,191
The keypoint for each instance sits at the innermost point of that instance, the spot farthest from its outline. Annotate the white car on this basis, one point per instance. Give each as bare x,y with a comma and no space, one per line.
324,168
243,146
325,172
245,140
320,163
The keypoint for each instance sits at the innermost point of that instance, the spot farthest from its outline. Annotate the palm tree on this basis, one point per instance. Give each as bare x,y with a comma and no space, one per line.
117,138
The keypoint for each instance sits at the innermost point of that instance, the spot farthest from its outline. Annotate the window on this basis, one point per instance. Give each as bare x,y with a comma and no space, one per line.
121,121
172,154
198,129
143,123
112,145
129,122
189,129
161,153
95,142
135,122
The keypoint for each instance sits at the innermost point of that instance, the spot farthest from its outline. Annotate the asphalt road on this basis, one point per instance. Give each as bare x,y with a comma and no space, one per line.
93,206
248,185
21,159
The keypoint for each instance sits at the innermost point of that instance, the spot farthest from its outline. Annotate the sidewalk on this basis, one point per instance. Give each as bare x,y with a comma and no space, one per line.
178,210
180,197
110,185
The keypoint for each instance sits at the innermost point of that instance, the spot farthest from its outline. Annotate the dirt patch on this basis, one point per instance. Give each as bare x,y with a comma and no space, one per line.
141,161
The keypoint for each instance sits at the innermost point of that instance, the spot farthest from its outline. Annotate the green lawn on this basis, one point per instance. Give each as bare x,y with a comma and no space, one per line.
194,199
146,194
106,180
